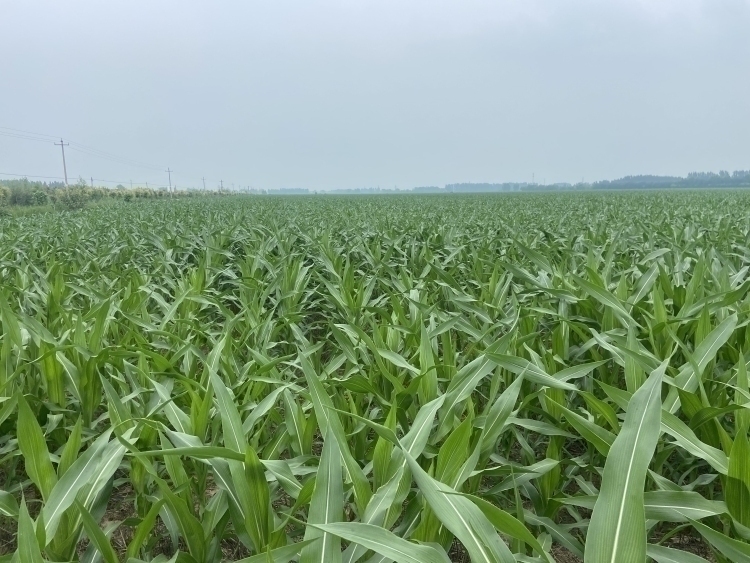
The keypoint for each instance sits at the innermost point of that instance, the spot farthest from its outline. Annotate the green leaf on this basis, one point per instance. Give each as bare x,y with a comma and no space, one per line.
28,547
531,372
462,517
662,554
617,531
597,436
428,386
328,419
258,517
606,298
704,353
70,451
397,360
8,505
508,524
97,536
189,526
498,415
680,506
326,506
231,424
84,472
384,542
735,550
686,439
280,554
10,323
34,449
737,487
144,529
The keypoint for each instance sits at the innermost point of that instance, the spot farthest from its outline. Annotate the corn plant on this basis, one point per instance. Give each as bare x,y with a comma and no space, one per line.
526,377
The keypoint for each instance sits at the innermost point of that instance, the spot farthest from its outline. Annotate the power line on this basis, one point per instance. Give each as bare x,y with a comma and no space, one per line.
104,154
23,134
31,176
13,133
123,182
44,138
27,137
29,132
118,160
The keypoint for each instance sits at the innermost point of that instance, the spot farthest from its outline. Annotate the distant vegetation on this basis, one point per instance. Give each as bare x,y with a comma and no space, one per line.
724,179
737,179
26,193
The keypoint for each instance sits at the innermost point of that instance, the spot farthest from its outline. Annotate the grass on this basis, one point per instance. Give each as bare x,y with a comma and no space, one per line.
411,378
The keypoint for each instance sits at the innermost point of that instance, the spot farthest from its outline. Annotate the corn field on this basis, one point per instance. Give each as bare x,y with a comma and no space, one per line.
523,377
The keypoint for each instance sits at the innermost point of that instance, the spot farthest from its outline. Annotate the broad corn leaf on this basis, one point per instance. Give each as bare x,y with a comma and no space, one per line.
34,450
384,542
462,517
326,506
617,532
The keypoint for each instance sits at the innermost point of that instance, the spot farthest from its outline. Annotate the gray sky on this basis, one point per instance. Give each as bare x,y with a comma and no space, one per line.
342,94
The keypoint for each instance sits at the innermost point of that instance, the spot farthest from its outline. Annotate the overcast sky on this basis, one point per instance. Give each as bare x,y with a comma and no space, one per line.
353,93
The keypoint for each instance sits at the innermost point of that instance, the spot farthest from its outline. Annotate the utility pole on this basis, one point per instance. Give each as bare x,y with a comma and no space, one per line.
131,184
170,181
92,181
204,183
222,185
65,169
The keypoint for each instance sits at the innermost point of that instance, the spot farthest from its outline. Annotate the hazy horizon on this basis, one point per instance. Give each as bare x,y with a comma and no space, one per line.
341,95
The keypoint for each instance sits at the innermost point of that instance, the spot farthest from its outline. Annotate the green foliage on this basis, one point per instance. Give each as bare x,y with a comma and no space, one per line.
24,193
72,199
4,196
410,378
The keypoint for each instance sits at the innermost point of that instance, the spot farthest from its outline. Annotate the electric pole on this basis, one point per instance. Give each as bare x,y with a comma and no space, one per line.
222,185
131,184
65,169
92,181
204,183
170,181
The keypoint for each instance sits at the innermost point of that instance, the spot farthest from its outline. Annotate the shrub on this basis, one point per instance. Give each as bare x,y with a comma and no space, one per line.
39,198
72,199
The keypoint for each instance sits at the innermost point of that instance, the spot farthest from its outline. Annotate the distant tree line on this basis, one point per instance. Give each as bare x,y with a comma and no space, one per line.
723,179
26,193
737,179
